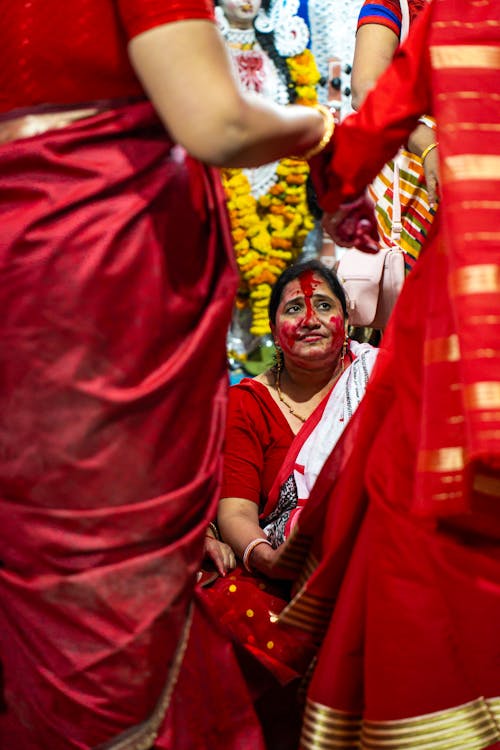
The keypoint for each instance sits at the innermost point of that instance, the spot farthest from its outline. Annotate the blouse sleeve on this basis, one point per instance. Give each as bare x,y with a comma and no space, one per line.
243,453
140,15
387,13
383,12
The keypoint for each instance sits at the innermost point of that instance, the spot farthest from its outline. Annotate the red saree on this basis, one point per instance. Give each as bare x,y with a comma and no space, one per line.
402,527
117,281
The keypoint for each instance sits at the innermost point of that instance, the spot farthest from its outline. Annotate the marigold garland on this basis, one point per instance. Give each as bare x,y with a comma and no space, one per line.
269,232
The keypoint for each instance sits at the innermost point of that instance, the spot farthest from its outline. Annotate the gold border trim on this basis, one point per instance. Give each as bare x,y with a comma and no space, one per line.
482,278
324,728
471,726
308,612
306,570
443,459
143,736
484,395
471,167
465,56
294,556
446,349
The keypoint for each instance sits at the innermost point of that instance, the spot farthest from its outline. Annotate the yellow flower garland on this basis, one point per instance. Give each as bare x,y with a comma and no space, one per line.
269,233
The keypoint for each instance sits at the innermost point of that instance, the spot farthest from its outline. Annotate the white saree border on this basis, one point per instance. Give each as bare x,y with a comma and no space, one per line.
143,736
471,726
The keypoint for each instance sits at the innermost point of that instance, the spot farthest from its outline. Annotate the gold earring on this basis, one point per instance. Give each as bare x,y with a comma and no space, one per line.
345,347
278,358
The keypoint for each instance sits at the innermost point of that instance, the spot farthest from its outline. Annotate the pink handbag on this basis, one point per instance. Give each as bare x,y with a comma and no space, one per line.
372,283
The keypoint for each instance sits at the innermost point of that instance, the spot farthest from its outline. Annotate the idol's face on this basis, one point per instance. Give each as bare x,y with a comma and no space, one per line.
240,13
310,324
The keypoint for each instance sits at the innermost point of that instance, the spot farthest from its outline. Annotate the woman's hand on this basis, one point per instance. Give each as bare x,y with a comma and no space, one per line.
220,554
238,522
422,143
262,560
431,172
354,225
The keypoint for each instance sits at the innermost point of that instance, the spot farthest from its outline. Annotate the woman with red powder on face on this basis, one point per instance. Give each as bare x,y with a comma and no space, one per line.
273,416
280,428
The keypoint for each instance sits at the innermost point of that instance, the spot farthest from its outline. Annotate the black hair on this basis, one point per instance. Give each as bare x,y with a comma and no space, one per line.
312,200
268,44
296,270
266,41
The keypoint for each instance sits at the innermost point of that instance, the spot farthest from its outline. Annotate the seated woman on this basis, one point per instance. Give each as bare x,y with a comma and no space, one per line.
281,427
282,424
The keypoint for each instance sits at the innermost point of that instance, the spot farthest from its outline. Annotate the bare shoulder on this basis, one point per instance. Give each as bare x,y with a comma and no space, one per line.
267,378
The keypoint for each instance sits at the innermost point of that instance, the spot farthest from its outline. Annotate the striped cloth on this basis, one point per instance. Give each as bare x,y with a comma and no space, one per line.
416,214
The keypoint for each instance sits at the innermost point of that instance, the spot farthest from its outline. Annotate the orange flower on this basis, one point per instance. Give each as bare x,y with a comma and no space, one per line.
281,243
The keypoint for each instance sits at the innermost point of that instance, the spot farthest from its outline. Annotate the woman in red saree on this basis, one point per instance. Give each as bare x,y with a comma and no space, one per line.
116,294
402,528
280,428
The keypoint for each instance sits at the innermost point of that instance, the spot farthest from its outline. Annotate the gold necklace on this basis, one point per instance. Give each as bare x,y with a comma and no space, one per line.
292,411
285,403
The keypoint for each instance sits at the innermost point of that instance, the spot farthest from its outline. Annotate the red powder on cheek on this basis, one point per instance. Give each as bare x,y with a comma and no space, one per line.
288,335
338,333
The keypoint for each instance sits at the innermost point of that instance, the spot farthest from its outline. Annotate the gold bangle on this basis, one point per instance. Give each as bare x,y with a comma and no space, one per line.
328,125
427,151
215,531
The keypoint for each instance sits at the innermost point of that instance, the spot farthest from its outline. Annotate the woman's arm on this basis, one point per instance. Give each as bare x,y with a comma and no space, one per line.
365,140
373,53
186,71
238,521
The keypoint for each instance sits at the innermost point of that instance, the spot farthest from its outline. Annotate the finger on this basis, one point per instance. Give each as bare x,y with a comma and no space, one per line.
232,561
432,191
220,565
215,554
366,243
229,559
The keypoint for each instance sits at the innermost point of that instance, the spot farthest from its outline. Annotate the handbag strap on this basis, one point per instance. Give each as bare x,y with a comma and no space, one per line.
397,226
405,20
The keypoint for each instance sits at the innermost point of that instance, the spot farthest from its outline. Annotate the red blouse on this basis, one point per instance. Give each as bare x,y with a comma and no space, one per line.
75,51
257,440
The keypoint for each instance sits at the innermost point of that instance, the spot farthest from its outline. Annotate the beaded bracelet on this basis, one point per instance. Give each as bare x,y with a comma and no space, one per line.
250,548
427,151
329,126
